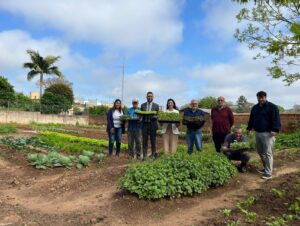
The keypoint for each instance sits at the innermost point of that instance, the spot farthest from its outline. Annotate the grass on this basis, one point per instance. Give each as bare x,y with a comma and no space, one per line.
8,128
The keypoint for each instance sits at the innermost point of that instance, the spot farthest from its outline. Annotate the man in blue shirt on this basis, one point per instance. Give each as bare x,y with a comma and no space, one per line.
265,120
193,119
237,155
134,130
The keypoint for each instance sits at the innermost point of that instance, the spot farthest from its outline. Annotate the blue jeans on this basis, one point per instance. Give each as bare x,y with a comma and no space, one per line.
116,136
194,137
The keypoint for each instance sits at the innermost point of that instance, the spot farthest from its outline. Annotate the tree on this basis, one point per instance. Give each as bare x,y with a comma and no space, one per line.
243,105
281,109
54,103
98,110
56,99
41,66
208,102
61,80
273,26
63,90
7,92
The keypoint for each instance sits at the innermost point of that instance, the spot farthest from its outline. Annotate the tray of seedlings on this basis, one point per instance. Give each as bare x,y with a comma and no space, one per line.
166,117
240,146
146,113
199,120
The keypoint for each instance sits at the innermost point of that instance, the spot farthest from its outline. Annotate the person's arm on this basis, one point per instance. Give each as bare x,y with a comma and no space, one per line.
110,122
230,117
276,125
250,121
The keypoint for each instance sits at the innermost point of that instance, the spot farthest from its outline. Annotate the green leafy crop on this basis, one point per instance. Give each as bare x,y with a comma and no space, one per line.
145,112
178,174
169,116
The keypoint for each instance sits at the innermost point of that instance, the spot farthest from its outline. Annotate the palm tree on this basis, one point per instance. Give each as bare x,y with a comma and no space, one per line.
40,66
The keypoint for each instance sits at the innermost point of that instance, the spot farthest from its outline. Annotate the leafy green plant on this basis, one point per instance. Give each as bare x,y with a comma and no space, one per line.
145,112
288,140
239,145
82,161
177,174
278,193
8,128
169,116
233,223
295,207
227,212
100,157
125,117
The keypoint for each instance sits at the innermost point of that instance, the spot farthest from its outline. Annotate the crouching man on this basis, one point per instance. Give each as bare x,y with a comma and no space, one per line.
239,154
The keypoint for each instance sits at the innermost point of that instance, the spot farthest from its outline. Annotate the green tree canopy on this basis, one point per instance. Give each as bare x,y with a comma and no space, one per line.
243,105
208,102
273,26
41,66
98,110
63,90
7,92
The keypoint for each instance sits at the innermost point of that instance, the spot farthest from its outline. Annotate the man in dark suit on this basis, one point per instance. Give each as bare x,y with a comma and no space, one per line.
149,126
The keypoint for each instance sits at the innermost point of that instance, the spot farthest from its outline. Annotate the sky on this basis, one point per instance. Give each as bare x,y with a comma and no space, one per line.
180,49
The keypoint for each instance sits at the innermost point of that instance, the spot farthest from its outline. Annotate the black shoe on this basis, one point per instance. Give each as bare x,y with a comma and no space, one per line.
242,169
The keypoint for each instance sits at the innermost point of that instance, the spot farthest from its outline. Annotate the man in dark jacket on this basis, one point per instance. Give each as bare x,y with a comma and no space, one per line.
265,120
149,126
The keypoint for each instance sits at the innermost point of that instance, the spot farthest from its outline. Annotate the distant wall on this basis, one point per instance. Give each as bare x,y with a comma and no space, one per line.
25,117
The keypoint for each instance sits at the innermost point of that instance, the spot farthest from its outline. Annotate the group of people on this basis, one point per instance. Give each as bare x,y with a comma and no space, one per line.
264,120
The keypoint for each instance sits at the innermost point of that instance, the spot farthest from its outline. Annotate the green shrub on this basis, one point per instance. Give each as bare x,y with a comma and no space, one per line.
288,140
8,128
178,174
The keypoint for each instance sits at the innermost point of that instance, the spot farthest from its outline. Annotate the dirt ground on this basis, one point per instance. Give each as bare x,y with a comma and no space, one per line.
91,196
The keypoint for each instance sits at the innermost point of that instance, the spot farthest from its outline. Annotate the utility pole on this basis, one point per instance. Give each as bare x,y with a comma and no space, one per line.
123,72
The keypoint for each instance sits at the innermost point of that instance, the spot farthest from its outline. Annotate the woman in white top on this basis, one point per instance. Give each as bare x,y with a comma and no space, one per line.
115,127
170,130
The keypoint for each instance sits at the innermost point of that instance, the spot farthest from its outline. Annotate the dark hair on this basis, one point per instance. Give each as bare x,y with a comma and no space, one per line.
175,107
149,92
261,94
114,107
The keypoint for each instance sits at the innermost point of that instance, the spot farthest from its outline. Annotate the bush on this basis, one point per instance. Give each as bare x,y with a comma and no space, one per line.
178,174
7,93
8,128
288,140
98,110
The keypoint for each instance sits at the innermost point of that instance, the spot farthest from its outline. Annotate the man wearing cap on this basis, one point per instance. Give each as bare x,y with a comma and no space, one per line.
134,131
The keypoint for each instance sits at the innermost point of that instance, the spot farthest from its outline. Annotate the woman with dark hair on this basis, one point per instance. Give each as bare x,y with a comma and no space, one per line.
170,130
115,127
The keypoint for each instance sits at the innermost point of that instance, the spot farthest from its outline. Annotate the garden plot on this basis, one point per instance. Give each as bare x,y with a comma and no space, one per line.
90,196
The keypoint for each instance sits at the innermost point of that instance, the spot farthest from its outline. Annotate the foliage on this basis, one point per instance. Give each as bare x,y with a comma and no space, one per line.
178,174
8,128
208,102
166,116
140,112
98,110
41,66
62,90
239,145
243,105
125,117
60,80
73,143
273,27
54,103
288,140
278,193
7,92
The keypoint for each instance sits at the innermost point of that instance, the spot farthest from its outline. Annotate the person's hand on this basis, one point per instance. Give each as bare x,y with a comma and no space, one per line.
273,134
112,130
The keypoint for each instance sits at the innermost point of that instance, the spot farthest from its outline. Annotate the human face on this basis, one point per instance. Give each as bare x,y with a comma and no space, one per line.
194,105
238,134
170,105
262,100
135,104
149,97
118,105
221,102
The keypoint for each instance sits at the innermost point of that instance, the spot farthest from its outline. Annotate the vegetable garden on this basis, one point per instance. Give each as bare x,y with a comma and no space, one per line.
61,174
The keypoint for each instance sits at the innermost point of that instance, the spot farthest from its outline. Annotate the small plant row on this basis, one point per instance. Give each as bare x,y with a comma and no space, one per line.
72,143
8,128
288,140
55,159
177,174
26,144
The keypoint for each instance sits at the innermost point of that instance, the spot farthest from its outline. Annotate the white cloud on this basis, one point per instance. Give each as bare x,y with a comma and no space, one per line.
243,76
139,25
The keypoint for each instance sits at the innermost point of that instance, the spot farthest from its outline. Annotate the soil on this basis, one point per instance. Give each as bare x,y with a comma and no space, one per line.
91,196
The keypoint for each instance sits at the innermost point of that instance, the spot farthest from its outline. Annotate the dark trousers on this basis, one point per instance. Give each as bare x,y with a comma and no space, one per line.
148,130
238,156
218,139
134,143
115,137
